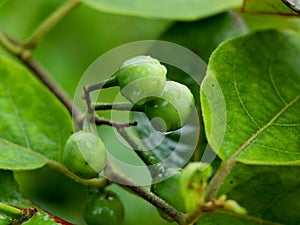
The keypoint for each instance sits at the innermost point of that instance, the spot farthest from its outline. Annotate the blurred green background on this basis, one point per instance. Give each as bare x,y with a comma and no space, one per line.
76,42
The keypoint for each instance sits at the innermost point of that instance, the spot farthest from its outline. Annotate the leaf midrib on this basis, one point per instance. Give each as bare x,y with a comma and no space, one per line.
23,148
262,129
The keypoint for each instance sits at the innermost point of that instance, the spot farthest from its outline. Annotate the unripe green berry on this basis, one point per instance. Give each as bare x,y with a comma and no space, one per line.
140,78
172,109
103,209
84,154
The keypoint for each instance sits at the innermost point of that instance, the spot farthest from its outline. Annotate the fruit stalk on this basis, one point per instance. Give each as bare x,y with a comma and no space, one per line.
154,165
10,209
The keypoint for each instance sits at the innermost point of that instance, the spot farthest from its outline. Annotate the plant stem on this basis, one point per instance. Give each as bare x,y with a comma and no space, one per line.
42,74
110,82
10,209
24,56
88,100
154,165
50,22
122,106
95,182
218,179
10,47
101,121
159,203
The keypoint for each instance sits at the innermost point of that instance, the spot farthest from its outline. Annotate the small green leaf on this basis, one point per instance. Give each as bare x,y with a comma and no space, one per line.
268,192
276,7
226,218
251,99
167,9
40,219
10,193
34,125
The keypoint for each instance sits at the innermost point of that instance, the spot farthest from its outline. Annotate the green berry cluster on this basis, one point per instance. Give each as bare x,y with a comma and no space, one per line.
167,104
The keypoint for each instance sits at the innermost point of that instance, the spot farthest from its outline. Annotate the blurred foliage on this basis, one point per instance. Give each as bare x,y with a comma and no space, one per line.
76,42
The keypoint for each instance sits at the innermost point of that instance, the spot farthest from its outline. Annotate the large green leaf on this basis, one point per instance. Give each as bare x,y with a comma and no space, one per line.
203,36
34,124
226,218
251,99
277,7
268,192
167,9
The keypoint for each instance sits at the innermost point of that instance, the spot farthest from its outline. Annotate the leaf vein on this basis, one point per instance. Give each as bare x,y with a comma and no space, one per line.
27,149
255,135
243,105
287,124
276,149
19,119
274,84
277,198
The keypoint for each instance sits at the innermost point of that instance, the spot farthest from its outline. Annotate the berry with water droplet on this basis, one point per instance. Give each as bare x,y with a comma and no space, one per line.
84,154
172,109
140,78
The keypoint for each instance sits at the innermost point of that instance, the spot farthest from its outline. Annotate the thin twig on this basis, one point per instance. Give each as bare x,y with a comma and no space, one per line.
10,209
101,121
24,56
121,106
110,82
50,22
159,203
154,165
10,47
95,182
88,101
42,74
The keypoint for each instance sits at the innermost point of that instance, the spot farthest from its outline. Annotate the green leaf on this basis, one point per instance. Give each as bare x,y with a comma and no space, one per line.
268,192
276,7
226,218
203,36
10,193
40,219
251,99
167,9
34,124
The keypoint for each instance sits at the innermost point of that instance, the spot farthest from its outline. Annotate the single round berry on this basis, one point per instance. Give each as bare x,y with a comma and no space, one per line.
172,109
140,78
84,154
103,209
